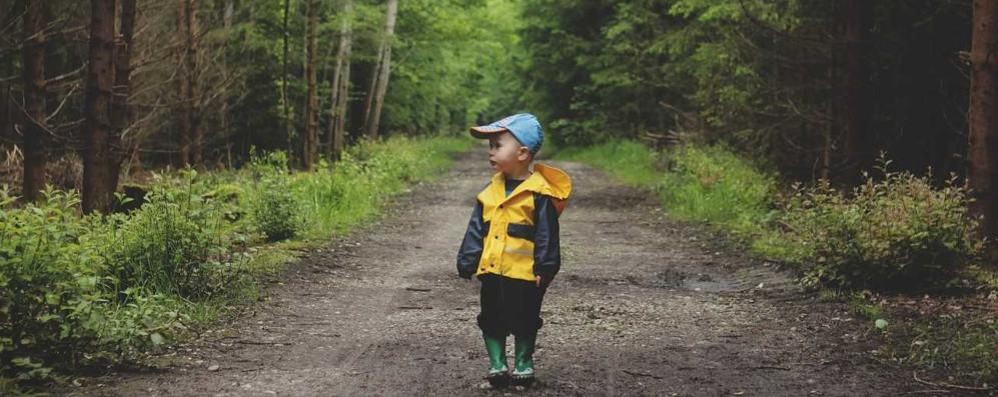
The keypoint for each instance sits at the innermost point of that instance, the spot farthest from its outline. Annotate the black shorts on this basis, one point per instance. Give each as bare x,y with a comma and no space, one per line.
509,306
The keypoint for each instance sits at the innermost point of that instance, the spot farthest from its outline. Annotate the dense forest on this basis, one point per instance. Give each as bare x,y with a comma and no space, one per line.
282,105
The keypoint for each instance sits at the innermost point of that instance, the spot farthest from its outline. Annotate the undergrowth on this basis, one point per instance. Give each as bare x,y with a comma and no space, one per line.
77,291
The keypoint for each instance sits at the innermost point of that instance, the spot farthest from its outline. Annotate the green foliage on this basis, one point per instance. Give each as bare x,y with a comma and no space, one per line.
275,209
629,161
714,185
339,196
80,290
897,233
964,347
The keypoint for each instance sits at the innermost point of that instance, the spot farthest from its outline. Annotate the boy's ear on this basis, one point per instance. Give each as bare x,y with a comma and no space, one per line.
523,154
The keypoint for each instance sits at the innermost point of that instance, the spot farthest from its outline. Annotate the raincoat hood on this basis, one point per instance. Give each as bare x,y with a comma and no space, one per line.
545,179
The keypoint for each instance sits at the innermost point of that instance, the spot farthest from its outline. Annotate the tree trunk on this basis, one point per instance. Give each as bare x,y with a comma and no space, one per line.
311,102
194,110
384,70
284,78
371,89
183,86
121,116
33,70
100,80
223,118
857,20
340,86
982,151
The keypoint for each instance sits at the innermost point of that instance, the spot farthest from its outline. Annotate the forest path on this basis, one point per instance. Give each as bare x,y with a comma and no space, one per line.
643,306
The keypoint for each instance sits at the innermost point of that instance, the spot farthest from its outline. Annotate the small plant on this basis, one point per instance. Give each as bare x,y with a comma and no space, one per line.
275,210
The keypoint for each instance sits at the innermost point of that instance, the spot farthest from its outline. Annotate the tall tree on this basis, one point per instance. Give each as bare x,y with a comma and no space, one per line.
223,116
855,101
311,101
284,77
34,99
378,90
340,85
97,191
120,110
983,140
191,128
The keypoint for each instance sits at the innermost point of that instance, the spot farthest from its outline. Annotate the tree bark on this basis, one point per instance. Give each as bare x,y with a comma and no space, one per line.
284,78
100,81
194,110
35,158
224,108
384,71
340,86
121,116
983,120
311,102
857,20
183,86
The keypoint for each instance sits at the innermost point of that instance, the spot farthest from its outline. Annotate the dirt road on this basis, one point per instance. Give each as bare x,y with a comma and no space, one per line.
643,306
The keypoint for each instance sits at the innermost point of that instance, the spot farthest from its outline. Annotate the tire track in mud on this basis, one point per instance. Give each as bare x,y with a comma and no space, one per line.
643,306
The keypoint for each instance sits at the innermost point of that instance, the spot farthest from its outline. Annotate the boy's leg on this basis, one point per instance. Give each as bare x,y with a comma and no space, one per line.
494,333
525,331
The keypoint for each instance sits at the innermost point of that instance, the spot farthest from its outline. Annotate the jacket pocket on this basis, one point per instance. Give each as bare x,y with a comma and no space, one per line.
518,230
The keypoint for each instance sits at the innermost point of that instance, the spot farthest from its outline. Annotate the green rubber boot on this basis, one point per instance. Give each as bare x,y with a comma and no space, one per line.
523,369
498,372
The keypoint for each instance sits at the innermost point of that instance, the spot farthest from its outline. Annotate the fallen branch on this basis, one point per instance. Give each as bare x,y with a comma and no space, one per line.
641,374
914,374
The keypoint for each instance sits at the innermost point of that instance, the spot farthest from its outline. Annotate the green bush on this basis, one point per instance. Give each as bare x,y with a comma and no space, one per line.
40,281
173,245
275,210
898,233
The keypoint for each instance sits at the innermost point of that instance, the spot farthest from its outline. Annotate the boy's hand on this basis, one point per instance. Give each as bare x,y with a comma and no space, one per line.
543,282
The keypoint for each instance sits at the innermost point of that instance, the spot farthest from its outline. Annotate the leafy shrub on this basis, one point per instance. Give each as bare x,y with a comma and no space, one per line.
173,245
894,234
38,279
275,210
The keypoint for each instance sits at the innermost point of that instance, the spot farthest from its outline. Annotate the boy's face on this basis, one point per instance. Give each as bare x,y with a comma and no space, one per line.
506,154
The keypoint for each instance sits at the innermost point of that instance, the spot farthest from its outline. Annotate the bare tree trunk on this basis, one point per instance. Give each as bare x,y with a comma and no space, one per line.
857,20
983,141
121,116
284,78
311,102
371,89
183,85
340,86
195,100
224,109
100,80
35,157
384,71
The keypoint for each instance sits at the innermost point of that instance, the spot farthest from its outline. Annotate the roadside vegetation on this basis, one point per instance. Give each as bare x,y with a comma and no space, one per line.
899,248
91,290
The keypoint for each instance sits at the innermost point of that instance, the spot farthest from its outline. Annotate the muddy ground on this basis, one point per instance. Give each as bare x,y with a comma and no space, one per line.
642,306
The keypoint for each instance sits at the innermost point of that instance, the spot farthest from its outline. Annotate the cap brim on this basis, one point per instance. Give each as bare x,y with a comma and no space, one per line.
484,131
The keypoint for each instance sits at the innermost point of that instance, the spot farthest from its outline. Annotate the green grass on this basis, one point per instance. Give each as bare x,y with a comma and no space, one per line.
710,185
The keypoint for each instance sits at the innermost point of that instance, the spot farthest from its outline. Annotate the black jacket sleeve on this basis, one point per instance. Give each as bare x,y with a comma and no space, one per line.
547,248
471,247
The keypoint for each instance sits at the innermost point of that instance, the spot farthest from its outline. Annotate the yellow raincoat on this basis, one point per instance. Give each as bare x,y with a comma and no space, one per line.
509,237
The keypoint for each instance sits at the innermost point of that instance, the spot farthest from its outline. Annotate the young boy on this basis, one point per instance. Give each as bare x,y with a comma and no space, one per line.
512,245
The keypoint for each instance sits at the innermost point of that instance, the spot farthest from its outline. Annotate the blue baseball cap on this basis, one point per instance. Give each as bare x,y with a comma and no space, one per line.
524,127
